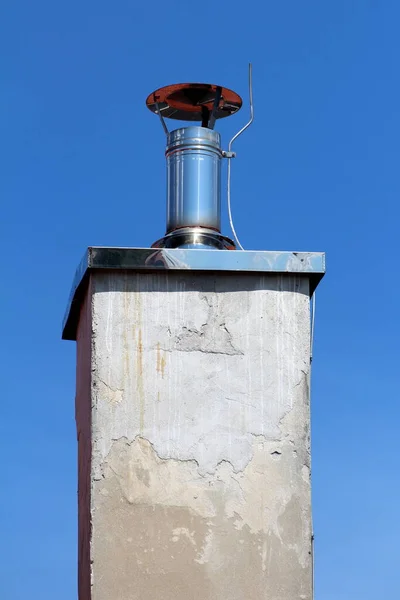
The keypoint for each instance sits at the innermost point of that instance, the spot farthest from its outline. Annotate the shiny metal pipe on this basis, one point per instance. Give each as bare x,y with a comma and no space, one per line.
193,178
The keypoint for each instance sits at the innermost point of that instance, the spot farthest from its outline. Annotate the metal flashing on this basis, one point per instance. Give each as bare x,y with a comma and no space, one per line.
311,264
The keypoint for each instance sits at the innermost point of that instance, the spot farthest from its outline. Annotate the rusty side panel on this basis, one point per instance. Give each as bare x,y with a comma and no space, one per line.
83,427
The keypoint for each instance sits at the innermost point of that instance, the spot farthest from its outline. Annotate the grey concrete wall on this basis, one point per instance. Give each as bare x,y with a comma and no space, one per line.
200,462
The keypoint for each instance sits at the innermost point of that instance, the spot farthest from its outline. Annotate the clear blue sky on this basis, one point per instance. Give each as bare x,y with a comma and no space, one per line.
82,164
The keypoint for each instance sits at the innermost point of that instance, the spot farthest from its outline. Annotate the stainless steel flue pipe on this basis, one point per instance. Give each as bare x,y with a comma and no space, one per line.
193,178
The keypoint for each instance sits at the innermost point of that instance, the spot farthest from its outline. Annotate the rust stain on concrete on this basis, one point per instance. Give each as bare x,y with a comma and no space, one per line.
139,375
127,311
139,362
158,358
161,361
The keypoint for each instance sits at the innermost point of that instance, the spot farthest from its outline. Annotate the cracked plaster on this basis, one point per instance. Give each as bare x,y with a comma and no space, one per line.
200,437
198,368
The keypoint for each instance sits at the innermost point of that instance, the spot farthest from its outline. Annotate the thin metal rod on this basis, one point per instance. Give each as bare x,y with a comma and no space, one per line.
213,116
205,115
230,157
162,120
251,109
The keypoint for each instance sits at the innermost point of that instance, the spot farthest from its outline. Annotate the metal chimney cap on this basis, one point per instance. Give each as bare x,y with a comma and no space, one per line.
189,101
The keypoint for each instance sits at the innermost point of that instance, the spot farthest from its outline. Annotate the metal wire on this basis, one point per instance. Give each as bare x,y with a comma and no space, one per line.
229,206
230,156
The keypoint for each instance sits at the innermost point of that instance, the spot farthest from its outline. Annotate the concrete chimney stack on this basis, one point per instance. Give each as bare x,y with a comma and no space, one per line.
192,402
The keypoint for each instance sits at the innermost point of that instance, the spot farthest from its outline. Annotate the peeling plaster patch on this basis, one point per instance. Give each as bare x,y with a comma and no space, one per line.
212,339
179,531
166,525
145,478
205,553
113,395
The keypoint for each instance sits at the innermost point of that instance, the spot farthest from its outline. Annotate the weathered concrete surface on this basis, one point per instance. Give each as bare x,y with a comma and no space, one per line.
200,465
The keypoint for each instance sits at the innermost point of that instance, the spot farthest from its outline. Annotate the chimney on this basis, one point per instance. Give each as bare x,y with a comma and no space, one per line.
194,156
192,401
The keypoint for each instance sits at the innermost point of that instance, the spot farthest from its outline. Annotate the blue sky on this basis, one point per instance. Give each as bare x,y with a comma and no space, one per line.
82,164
